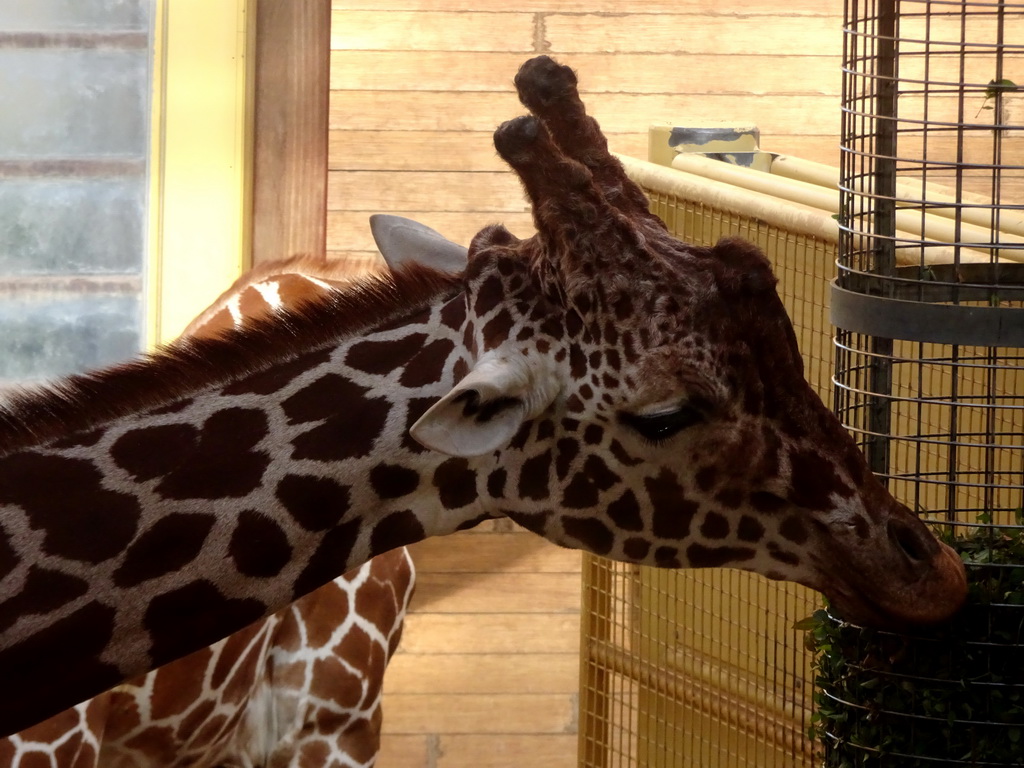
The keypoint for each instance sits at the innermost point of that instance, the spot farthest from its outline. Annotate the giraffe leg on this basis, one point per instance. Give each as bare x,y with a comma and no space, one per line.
549,90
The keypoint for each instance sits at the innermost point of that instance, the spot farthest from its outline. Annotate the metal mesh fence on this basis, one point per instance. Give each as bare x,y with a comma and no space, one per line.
931,267
930,367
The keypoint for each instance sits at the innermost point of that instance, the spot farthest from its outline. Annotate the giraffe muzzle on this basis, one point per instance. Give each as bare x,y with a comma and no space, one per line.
922,581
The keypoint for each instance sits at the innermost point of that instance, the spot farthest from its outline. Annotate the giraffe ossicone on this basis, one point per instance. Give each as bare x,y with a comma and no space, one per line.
650,395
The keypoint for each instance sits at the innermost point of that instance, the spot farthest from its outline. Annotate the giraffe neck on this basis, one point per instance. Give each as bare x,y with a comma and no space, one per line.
200,514
252,696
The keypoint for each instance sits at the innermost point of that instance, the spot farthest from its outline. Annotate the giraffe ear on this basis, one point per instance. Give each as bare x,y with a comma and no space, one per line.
483,412
402,240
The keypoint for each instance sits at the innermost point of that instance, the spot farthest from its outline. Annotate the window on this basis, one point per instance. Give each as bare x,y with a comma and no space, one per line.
123,174
73,183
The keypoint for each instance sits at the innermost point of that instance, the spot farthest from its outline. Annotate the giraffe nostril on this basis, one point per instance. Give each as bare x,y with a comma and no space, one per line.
909,541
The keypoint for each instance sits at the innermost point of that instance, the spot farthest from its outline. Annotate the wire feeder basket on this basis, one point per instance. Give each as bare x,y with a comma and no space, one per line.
929,376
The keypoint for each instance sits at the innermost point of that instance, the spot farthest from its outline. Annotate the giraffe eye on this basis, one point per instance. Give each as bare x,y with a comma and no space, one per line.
661,426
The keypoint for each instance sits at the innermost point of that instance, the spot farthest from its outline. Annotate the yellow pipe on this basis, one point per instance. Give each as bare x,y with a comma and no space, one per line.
792,217
827,176
933,229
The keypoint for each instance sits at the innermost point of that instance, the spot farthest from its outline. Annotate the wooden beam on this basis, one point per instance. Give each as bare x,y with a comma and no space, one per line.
292,70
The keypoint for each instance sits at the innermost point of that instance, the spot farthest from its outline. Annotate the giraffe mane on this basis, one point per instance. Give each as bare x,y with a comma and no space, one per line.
83,402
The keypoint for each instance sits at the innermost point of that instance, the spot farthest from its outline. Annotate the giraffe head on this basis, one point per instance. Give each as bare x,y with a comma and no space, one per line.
644,399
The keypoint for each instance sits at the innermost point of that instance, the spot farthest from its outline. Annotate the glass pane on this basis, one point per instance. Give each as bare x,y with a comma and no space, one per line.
72,226
73,183
73,102
74,15
50,334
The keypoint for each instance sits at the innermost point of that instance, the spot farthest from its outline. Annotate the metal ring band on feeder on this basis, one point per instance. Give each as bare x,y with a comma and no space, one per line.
917,321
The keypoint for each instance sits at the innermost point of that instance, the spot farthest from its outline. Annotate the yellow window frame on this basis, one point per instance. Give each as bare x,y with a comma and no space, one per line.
201,158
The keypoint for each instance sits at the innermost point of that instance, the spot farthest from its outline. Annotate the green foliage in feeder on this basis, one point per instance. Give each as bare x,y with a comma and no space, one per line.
952,696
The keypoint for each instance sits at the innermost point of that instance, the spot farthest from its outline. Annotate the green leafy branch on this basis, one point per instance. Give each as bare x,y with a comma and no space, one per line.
955,692
995,89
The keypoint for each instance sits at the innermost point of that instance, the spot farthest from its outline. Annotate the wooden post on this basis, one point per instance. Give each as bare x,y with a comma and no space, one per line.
292,86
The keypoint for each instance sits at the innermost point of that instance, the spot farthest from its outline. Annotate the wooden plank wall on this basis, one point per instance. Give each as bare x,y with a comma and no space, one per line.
487,672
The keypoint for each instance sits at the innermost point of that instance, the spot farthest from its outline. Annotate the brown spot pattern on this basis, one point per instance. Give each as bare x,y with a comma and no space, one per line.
749,529
532,521
534,477
428,364
814,480
171,543
453,314
214,462
319,400
567,449
134,451
344,436
667,557
258,546
230,651
766,502
392,481
714,526
673,513
496,330
44,591
320,616
456,483
73,748
593,534
622,456
625,512
104,521
51,729
330,558
706,478
316,503
496,483
332,681
245,671
789,558
700,556
382,357
195,614
577,363
793,529
9,558
396,530
174,694
489,295
636,548
730,498
89,629
583,491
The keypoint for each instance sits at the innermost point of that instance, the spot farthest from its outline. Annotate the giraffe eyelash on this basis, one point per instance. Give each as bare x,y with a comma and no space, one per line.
658,427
